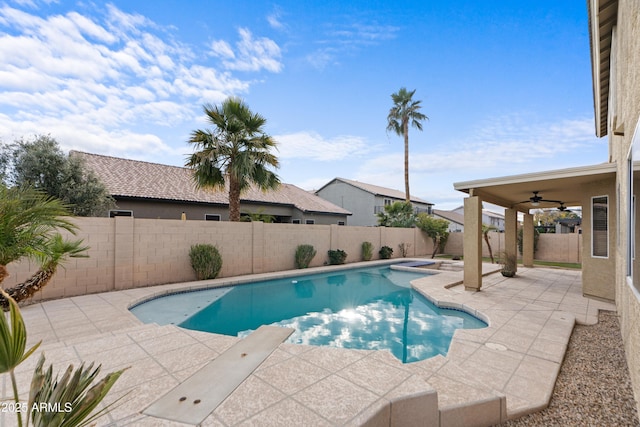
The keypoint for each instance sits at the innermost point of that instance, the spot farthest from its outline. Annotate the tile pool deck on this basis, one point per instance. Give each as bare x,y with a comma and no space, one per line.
489,375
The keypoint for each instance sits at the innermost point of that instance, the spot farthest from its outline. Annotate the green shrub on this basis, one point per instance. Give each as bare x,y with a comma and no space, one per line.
367,251
304,255
385,252
206,261
337,257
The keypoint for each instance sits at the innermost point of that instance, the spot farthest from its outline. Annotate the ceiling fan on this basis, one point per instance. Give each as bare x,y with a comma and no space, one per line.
536,199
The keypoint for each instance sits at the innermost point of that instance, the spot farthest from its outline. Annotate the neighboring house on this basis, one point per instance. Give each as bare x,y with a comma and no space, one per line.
365,201
491,218
151,190
456,219
607,192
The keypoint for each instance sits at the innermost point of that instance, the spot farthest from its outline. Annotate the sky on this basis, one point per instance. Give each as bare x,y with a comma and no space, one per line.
506,85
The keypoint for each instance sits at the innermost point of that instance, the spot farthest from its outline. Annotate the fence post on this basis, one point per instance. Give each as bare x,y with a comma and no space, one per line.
123,253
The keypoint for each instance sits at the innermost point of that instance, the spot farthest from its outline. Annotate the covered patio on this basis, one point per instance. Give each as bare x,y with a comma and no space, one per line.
562,188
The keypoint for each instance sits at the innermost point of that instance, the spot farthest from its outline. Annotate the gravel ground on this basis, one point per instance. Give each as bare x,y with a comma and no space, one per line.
593,387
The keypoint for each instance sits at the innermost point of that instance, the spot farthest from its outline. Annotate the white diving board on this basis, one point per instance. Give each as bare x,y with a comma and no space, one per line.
199,395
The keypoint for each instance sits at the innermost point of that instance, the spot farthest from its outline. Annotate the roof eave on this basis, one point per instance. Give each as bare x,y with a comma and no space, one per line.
602,18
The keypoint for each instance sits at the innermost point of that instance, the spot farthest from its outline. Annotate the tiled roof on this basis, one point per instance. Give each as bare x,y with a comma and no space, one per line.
450,215
133,178
378,190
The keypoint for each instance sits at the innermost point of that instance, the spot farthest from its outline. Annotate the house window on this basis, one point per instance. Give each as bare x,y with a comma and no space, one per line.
211,217
387,202
600,227
309,221
295,221
115,212
341,223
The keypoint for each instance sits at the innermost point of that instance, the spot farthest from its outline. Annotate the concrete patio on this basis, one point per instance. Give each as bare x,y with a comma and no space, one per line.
489,375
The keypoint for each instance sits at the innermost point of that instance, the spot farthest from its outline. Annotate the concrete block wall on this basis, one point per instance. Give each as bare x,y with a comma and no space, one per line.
129,252
551,247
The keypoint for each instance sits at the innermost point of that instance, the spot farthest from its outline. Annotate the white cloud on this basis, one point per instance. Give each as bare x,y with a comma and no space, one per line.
252,54
342,38
275,19
509,144
92,81
313,146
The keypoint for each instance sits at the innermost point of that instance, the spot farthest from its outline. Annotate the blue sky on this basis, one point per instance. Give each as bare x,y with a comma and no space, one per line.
506,84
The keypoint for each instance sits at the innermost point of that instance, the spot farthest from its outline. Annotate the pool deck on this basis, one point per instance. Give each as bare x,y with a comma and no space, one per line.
489,375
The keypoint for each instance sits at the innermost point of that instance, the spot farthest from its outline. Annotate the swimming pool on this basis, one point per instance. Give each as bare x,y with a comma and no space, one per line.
366,308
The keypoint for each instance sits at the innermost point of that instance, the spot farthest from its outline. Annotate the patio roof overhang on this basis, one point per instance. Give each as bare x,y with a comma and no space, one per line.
602,19
562,184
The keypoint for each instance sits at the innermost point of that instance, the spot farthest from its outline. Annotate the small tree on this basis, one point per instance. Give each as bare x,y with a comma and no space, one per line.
436,228
397,214
485,232
41,164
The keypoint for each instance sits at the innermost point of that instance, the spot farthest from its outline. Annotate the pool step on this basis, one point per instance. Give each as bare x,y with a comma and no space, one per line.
462,401
195,398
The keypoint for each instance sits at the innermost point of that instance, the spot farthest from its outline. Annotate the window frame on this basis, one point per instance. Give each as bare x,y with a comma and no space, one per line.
120,212
593,240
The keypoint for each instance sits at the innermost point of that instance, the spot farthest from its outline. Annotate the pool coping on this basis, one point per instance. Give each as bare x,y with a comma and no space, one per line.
480,380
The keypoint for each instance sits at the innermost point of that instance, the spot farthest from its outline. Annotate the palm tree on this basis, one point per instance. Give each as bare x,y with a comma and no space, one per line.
29,221
236,152
404,111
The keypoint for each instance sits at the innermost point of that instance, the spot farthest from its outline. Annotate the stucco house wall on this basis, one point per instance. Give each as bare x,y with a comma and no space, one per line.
364,200
625,102
360,203
598,272
622,90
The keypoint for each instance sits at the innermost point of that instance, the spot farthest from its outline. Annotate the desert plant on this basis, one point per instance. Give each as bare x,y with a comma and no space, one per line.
29,225
485,232
367,251
304,255
337,256
404,249
436,228
385,252
70,395
205,260
397,214
509,264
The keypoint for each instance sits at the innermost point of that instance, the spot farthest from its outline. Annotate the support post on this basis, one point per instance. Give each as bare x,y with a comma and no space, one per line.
472,243
511,233
527,241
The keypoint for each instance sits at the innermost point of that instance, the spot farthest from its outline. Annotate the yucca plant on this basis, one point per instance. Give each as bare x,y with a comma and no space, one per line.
53,402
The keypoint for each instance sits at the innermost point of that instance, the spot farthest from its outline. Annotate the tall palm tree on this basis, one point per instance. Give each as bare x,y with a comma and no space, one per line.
236,152
404,111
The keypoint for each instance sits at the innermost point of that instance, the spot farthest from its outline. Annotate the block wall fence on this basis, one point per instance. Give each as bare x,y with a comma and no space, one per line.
130,253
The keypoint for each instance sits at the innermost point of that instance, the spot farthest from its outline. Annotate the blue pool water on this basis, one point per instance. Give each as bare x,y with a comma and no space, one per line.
372,308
